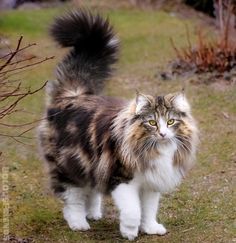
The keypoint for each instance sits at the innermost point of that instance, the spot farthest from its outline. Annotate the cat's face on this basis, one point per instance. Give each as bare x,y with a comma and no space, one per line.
163,118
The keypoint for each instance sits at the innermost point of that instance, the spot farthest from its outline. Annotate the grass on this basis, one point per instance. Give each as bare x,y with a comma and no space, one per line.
201,210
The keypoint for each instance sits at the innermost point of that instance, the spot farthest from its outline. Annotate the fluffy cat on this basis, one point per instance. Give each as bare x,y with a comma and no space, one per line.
136,150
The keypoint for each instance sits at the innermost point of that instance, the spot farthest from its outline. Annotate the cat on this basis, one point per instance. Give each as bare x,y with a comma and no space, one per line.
93,144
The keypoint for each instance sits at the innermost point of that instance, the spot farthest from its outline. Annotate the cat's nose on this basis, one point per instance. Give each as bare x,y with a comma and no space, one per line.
162,134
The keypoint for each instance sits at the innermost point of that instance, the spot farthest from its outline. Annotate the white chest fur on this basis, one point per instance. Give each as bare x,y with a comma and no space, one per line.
163,176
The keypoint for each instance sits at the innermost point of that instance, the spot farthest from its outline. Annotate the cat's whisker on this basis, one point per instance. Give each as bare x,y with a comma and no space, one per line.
183,145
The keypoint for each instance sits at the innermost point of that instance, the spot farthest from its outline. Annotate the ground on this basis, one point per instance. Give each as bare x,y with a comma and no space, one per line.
202,209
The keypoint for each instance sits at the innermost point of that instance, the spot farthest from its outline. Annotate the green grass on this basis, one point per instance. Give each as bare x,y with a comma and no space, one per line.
201,210
27,22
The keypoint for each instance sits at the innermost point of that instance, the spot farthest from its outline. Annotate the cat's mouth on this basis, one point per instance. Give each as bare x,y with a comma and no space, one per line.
161,140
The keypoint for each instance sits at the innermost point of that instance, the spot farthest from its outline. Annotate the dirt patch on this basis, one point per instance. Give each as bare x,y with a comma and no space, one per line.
179,70
223,86
15,239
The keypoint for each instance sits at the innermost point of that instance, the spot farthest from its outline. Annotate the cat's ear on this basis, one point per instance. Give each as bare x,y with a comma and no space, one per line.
143,102
180,102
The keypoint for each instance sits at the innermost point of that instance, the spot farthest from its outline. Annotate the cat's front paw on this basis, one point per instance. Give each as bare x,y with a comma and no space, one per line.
78,225
75,220
153,229
94,215
129,232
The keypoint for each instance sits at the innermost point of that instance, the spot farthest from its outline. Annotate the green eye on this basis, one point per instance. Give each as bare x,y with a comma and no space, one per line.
170,122
152,122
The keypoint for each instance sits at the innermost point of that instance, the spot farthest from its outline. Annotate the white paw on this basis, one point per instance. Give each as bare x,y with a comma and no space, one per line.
94,215
129,232
75,220
153,229
78,225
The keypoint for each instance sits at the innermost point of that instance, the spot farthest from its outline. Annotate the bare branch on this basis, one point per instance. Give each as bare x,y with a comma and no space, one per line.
21,49
12,55
12,92
26,66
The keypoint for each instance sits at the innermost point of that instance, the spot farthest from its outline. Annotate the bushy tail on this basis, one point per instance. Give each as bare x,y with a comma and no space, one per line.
94,50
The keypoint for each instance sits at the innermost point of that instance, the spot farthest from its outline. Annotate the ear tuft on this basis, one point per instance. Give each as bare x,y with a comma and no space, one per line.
180,102
142,102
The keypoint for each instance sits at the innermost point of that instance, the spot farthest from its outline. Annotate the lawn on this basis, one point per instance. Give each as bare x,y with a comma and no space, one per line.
202,209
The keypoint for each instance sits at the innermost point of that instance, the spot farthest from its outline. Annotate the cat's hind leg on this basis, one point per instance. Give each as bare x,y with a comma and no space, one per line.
94,205
74,210
150,204
126,197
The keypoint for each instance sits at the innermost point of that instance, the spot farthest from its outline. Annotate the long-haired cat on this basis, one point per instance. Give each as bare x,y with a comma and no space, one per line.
93,144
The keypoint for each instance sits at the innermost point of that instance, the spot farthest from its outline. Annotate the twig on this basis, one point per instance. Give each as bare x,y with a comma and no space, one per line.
186,230
28,65
12,55
221,19
188,38
12,92
24,60
21,49
175,48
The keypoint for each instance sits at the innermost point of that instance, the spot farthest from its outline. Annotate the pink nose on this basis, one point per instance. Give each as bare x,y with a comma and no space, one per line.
162,134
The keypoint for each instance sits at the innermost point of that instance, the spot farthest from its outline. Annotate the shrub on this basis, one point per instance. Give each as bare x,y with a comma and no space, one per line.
218,54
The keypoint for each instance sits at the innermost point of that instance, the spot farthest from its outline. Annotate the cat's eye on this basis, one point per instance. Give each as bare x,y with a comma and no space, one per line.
152,122
170,122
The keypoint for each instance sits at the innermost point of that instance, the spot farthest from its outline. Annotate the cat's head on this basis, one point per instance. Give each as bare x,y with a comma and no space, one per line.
163,119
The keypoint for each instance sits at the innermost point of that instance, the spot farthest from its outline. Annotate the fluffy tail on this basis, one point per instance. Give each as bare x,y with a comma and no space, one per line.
94,50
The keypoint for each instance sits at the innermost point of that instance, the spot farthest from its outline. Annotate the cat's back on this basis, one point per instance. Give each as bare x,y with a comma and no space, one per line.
77,122
80,112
